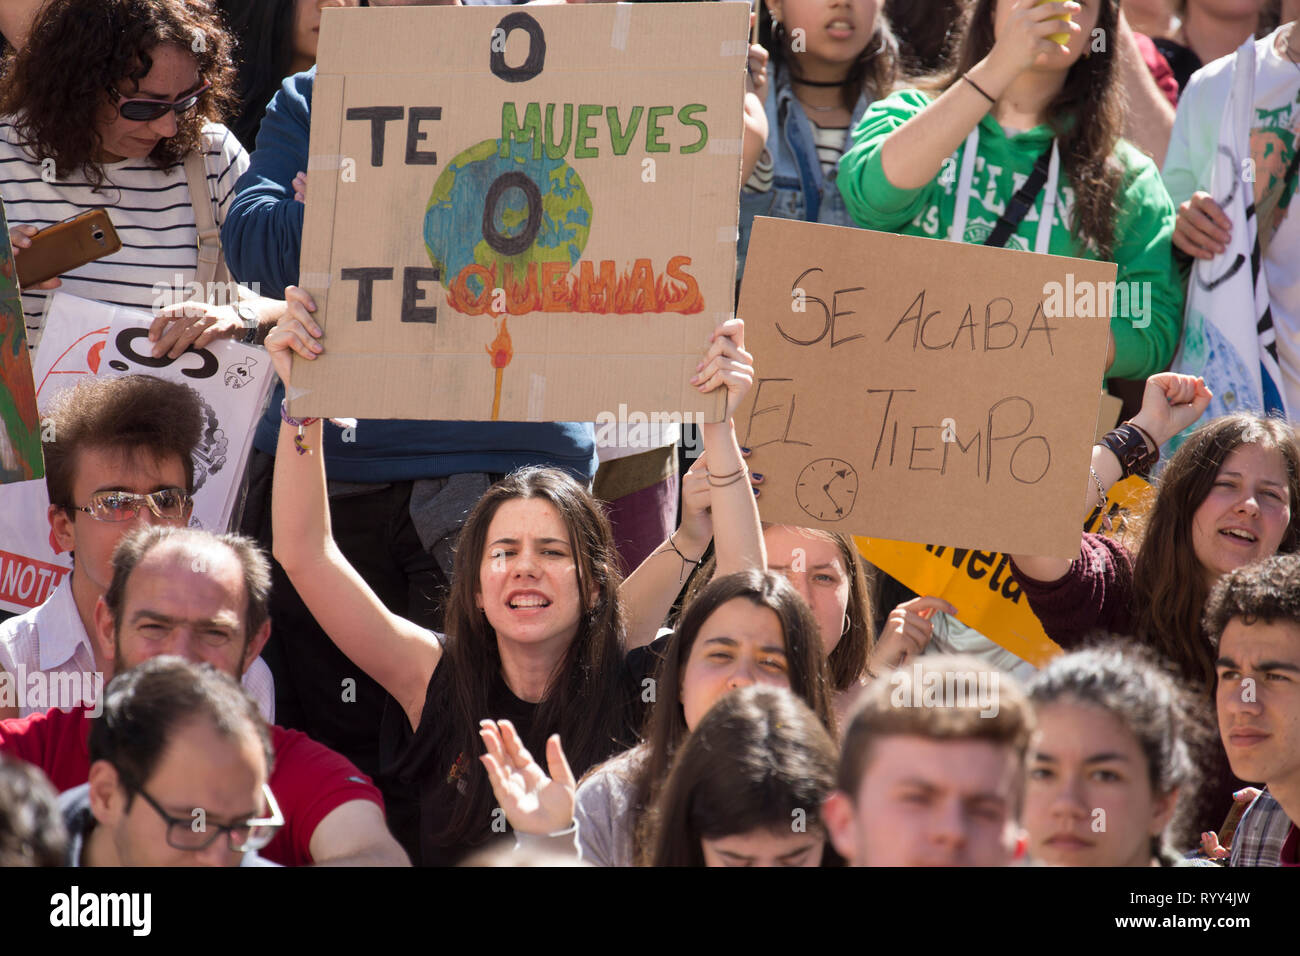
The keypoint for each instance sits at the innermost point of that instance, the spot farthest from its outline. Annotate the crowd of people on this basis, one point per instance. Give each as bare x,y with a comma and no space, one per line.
442,643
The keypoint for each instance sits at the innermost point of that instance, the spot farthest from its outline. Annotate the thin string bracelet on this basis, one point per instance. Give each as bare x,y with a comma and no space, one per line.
978,89
723,478
728,479
685,560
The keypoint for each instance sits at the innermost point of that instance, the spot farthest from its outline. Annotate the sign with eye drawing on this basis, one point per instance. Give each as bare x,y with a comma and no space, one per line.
83,338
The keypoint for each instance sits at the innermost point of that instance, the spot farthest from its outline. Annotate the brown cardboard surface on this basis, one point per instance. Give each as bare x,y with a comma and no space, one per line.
655,213
846,419
1108,414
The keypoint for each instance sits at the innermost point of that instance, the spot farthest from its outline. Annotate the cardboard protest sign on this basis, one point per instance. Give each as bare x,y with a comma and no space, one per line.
979,583
522,214
20,432
919,389
1108,414
83,338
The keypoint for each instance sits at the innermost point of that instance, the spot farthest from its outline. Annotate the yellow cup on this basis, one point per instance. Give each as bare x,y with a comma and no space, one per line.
1061,38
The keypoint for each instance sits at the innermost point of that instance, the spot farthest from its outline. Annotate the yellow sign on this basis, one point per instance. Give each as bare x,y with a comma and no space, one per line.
979,583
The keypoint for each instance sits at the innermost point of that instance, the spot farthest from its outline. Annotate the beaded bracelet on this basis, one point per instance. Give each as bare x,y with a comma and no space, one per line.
300,424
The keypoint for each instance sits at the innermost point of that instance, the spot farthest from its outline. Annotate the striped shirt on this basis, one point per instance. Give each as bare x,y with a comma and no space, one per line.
150,209
829,142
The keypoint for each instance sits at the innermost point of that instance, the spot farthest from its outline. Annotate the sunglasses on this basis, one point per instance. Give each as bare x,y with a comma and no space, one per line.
139,110
167,503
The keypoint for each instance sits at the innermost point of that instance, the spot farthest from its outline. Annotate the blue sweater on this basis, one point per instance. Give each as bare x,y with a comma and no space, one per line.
262,238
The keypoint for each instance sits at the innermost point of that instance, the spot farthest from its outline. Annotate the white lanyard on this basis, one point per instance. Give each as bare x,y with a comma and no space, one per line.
1048,213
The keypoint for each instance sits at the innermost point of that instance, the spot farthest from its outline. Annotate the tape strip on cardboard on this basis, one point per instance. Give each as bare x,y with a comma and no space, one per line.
536,397
622,23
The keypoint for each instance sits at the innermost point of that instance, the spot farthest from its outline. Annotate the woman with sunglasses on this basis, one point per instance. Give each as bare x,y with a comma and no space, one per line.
100,109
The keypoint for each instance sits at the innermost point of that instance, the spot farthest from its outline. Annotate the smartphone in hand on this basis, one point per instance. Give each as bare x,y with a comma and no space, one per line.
65,246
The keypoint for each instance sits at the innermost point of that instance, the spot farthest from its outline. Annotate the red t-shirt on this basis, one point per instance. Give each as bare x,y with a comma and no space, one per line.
1290,855
1159,67
308,779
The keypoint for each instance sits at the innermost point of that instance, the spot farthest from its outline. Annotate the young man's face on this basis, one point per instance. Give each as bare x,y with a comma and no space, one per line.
183,602
200,770
101,469
924,802
1258,698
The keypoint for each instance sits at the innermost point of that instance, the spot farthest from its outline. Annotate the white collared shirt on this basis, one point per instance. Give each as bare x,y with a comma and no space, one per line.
51,640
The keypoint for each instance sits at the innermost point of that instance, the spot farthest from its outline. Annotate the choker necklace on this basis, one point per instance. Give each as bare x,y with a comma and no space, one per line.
822,83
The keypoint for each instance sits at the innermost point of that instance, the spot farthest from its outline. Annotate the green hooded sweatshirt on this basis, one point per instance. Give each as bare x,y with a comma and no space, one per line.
1146,337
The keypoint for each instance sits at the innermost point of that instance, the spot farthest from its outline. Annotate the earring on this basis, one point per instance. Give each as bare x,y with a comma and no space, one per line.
847,622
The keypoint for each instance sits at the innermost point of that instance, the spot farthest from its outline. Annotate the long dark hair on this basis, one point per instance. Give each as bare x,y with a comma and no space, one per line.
263,31
1086,116
666,724
758,760
925,30
59,83
1169,590
849,659
873,72
1126,680
585,702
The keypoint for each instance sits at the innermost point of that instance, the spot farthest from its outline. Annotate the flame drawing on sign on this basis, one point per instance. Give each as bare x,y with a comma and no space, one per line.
500,353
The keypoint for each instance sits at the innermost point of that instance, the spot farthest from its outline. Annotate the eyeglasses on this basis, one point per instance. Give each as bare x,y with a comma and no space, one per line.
139,110
196,833
167,503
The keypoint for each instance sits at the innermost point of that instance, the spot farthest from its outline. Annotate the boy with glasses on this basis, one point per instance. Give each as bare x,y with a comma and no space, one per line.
121,457
191,745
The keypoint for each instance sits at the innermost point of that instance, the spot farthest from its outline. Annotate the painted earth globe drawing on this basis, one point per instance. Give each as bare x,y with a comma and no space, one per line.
1208,353
525,210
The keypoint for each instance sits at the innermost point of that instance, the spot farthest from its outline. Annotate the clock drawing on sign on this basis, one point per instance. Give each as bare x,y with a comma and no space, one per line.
827,488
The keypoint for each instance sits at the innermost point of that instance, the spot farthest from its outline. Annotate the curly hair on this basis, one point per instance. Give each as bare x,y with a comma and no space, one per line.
1266,591
59,84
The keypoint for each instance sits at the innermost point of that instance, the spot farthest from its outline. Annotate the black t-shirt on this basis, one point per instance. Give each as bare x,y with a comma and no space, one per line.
1181,59
422,772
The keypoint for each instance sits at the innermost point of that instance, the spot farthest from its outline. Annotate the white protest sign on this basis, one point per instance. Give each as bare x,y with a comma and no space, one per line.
82,338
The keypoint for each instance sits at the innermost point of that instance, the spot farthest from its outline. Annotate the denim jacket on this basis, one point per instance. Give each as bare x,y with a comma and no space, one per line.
799,190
